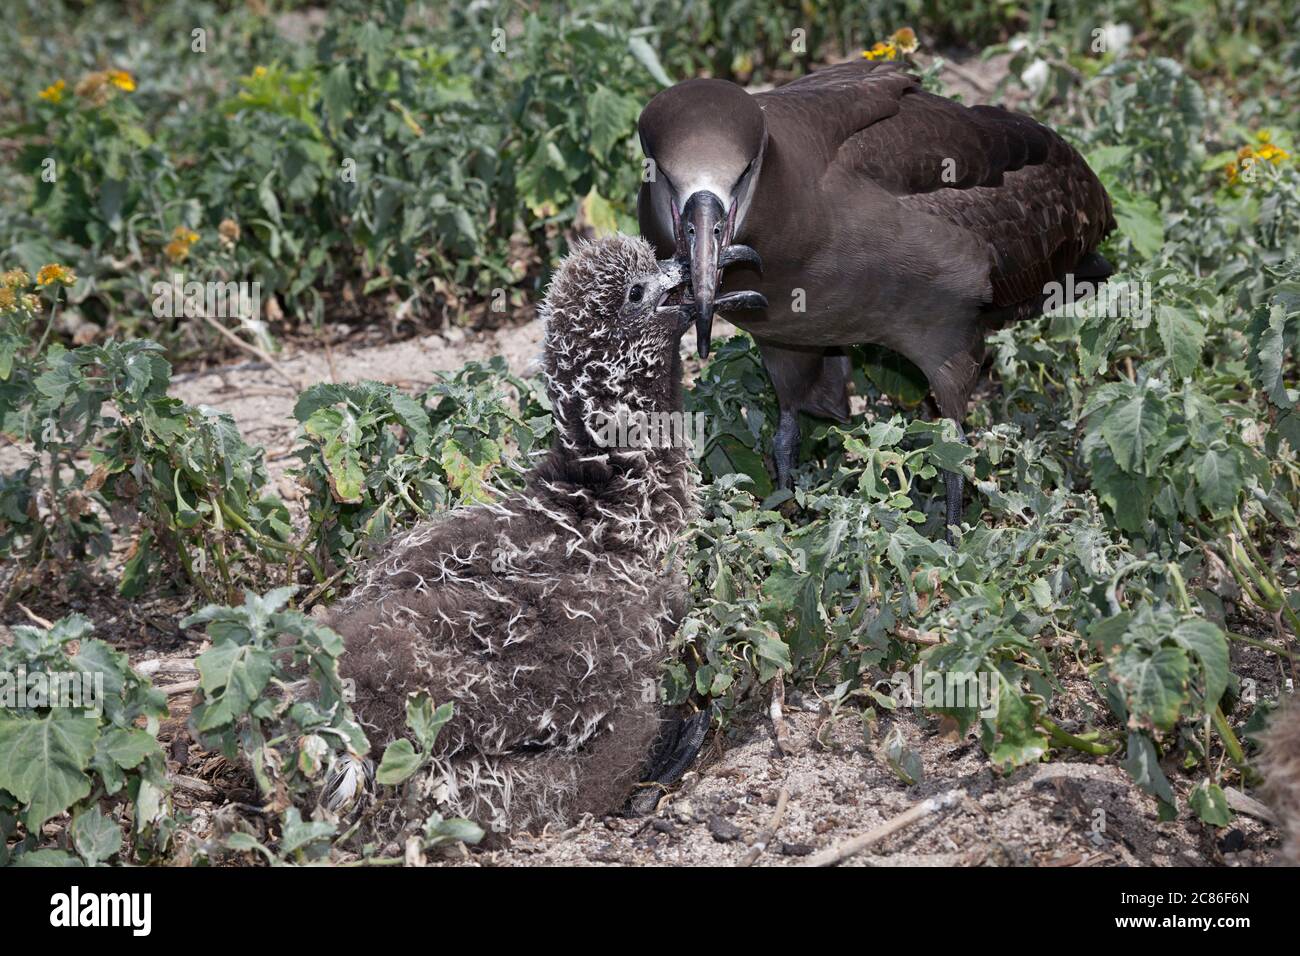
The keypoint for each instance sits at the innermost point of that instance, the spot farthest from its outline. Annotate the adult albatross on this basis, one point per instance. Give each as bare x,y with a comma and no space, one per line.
882,214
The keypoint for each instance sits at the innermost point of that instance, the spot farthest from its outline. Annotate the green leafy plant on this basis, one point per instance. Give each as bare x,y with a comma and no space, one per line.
78,748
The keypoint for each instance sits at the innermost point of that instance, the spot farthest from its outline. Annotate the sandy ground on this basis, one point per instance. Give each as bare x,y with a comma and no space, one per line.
1063,813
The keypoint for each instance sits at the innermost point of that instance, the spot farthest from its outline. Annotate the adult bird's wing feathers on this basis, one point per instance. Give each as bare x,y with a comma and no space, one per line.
1000,175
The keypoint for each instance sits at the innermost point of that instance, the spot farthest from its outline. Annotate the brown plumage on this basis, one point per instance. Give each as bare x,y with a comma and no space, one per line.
543,616
1280,762
883,214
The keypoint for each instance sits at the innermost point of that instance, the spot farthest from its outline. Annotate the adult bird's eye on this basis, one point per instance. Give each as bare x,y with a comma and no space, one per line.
634,294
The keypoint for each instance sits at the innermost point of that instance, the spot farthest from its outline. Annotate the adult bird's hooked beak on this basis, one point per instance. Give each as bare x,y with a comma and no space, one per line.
704,232
706,227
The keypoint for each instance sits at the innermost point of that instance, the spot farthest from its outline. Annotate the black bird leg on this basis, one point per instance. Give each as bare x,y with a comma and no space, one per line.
671,756
785,448
953,482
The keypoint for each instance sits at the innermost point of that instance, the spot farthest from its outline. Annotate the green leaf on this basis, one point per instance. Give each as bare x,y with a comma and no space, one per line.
1132,428
1127,495
42,762
338,434
1154,684
600,213
438,831
337,95
95,836
296,834
1138,218
895,376
244,842
1018,741
1183,335
399,762
425,722
1143,766
127,747
233,677
1219,481
612,117
135,573
1211,804
902,759
645,55
1209,646
46,858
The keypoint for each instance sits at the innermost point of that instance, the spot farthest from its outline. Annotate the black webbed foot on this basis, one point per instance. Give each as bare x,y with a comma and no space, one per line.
674,750
953,483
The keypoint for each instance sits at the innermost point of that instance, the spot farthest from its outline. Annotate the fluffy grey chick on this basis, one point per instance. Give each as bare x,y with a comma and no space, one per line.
544,616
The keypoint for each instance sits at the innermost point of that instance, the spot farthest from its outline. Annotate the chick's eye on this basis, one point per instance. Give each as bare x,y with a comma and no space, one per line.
634,294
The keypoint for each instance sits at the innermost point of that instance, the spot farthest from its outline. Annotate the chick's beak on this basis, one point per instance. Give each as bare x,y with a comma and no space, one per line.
672,283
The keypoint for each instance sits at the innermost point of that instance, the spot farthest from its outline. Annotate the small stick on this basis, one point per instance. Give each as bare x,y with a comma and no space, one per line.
255,350
779,729
180,665
912,636
171,690
329,357
905,819
769,832
194,785
1248,805
34,616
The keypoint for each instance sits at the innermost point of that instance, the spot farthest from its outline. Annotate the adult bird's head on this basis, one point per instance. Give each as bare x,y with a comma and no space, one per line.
706,140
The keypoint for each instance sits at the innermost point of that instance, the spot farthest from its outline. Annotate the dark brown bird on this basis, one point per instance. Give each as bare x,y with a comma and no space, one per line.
883,214
543,617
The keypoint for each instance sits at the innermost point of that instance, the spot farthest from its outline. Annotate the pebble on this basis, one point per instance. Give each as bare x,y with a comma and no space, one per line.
722,829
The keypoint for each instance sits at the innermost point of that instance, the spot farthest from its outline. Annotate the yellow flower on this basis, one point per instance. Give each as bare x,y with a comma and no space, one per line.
179,248
14,278
881,51
259,71
54,92
1264,136
8,301
1272,153
1230,173
52,273
122,80
905,40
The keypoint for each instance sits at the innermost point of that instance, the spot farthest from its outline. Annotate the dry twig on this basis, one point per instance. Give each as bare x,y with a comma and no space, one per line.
780,730
840,853
769,832
254,350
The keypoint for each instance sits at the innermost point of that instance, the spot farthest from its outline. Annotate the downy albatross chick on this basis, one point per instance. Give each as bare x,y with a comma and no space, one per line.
543,617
